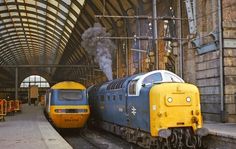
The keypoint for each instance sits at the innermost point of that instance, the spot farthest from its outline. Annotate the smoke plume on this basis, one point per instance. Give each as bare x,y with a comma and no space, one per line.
100,48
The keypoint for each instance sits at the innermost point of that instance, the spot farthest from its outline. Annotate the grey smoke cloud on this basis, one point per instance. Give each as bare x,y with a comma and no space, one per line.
100,48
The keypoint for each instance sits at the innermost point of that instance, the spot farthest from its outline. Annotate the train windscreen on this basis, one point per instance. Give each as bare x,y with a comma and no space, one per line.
71,94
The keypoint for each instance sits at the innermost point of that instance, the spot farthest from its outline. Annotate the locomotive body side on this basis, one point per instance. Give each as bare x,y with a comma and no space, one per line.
67,105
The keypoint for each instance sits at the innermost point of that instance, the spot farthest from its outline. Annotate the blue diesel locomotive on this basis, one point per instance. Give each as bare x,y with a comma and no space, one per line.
154,109
66,105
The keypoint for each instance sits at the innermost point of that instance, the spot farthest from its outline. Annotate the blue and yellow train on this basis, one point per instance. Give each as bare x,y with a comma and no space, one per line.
155,110
66,105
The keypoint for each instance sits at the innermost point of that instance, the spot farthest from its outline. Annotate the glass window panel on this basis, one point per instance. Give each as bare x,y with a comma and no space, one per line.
61,16
41,18
31,78
51,9
37,78
4,14
30,2
38,84
41,12
6,20
68,2
30,9
63,8
3,8
22,7
81,2
33,21
70,23
11,7
53,2
72,16
16,19
59,21
42,5
22,13
31,15
76,9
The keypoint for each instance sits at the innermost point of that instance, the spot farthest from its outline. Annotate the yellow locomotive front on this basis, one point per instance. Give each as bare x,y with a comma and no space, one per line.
174,106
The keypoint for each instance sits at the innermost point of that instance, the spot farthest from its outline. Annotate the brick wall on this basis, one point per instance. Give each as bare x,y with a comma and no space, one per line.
204,69
229,33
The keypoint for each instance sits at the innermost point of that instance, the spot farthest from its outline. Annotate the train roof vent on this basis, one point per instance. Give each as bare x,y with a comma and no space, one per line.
95,88
116,84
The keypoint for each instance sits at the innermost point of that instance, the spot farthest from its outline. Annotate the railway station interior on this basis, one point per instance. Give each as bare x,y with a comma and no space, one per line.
105,52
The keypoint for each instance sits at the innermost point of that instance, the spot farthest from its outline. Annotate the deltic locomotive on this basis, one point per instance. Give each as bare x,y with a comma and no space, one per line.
155,110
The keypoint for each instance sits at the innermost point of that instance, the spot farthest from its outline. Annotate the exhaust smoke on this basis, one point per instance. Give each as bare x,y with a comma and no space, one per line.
100,48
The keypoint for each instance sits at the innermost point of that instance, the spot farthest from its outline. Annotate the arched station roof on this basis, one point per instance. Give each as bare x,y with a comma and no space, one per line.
49,32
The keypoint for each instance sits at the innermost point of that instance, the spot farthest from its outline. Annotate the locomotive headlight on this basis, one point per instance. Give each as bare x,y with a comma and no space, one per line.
169,99
188,99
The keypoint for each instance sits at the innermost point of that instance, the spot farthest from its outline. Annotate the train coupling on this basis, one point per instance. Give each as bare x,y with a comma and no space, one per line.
164,133
202,132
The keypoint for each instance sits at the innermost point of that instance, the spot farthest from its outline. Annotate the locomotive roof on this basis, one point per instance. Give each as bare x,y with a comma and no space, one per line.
123,82
68,85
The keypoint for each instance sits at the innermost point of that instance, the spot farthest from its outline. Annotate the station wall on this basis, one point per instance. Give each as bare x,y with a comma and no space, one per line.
203,60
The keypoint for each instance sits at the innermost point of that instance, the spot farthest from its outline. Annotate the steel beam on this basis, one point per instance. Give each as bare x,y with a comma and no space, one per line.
155,34
16,84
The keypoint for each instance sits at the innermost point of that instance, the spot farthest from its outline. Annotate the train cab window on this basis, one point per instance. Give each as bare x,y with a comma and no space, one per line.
132,87
71,94
153,78
172,78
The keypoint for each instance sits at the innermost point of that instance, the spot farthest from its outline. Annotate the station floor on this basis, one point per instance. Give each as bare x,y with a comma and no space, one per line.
227,130
30,130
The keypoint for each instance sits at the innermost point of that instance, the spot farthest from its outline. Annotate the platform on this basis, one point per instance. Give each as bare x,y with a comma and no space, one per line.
30,129
222,135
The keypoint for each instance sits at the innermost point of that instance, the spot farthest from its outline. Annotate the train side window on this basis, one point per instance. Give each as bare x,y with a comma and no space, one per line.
132,87
114,97
108,97
120,97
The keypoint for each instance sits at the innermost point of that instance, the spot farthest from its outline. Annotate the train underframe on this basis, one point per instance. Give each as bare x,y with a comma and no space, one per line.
180,138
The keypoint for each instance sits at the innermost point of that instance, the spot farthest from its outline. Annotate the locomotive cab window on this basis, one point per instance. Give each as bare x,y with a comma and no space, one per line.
172,78
153,78
71,94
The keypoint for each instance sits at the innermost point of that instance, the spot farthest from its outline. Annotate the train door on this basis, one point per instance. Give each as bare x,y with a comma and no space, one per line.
131,108
48,101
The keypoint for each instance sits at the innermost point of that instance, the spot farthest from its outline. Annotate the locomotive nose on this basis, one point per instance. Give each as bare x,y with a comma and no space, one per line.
179,106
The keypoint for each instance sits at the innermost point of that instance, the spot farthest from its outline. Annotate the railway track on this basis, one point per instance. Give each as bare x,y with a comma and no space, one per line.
94,139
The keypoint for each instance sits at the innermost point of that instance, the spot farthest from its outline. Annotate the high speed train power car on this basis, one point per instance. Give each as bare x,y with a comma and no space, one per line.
154,109
66,105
